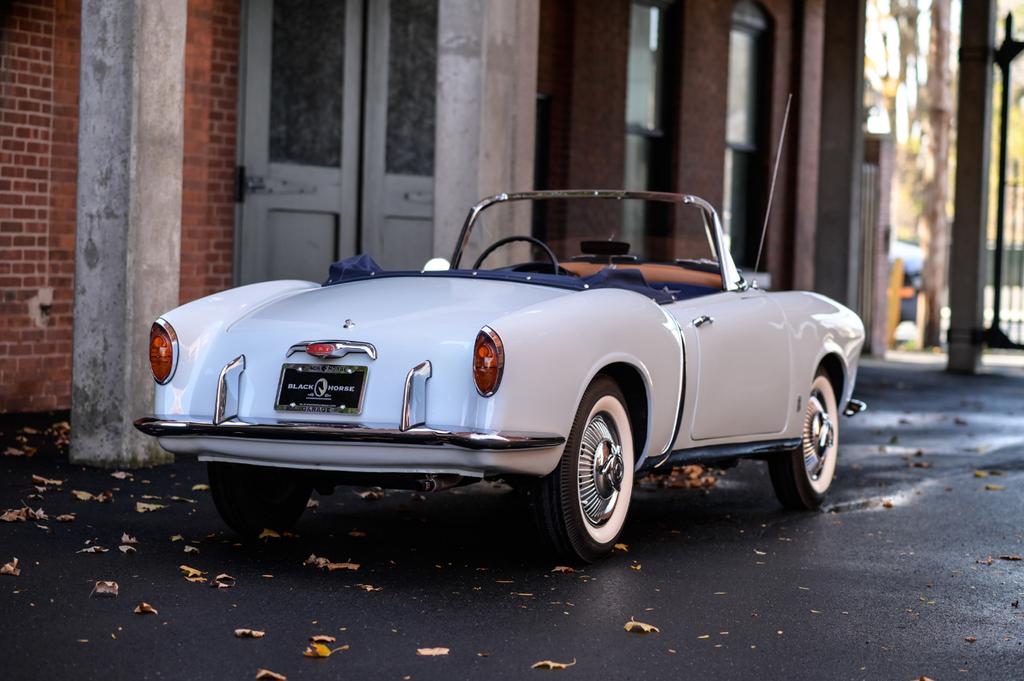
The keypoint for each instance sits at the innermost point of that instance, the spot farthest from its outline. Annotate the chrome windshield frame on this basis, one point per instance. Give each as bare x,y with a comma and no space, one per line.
731,278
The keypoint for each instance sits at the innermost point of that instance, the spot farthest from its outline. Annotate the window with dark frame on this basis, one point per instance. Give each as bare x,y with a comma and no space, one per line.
646,153
747,109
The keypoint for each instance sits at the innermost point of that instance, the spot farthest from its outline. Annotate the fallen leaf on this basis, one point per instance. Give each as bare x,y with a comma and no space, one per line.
190,571
981,474
1011,557
144,608
564,569
191,549
121,475
268,533
126,549
177,537
372,494
317,650
128,539
995,488
249,633
621,547
312,503
635,627
12,515
357,534
760,553
14,451
40,480
635,566
196,580
104,588
93,549
11,568
201,487
369,587
81,496
550,664
887,503
970,639
65,518
322,638
267,675
431,652
223,581
146,508
184,500
342,566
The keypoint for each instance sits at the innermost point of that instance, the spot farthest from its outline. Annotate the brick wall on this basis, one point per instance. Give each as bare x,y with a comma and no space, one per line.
211,104
39,55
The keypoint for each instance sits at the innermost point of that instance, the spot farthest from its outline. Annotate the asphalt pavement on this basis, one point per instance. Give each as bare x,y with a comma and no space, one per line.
908,572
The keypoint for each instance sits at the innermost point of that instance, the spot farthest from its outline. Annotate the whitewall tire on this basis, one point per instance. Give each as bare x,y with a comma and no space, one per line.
802,477
581,506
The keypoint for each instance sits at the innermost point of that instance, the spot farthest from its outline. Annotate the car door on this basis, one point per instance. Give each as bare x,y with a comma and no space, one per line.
738,349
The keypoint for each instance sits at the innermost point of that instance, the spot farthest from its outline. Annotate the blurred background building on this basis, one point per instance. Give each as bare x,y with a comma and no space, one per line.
155,152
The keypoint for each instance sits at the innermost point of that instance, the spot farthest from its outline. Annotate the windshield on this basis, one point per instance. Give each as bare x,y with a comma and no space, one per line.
527,231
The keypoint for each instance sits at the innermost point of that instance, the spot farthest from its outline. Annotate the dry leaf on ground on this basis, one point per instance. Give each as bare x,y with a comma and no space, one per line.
369,587
190,571
121,475
202,487
144,608
995,488
267,675
342,566
634,627
11,568
312,503
564,569
621,547
142,507
96,548
65,518
372,494
128,539
104,588
223,581
268,533
126,549
970,639
40,480
317,650
322,638
177,537
1011,557
191,549
249,633
551,664
431,652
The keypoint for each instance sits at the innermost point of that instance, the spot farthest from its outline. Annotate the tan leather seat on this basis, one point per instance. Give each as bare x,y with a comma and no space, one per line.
653,272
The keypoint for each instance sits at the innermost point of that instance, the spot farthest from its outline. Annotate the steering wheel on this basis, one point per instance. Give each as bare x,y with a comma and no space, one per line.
510,239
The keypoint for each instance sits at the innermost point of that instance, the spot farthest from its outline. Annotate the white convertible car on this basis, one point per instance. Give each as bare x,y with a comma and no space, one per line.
567,377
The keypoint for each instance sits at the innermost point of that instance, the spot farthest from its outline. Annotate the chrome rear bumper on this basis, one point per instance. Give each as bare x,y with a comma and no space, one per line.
304,431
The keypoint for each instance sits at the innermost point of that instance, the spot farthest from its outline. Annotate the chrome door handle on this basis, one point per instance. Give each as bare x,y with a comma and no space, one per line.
702,320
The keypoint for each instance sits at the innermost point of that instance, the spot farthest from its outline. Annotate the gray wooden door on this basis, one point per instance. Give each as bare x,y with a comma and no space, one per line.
329,170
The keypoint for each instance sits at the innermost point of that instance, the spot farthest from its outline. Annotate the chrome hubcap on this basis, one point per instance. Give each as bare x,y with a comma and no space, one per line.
819,434
601,470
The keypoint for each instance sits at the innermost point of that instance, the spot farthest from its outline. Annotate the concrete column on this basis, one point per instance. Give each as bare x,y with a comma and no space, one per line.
127,242
486,108
837,256
970,220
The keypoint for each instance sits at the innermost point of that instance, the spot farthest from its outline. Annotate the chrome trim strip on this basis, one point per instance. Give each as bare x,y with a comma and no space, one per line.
854,407
731,279
166,326
304,431
341,348
739,450
414,400
229,386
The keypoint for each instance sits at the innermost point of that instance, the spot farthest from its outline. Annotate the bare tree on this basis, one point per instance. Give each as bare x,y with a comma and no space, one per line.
935,221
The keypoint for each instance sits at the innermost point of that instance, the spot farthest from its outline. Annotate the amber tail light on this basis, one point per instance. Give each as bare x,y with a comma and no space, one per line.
488,361
163,348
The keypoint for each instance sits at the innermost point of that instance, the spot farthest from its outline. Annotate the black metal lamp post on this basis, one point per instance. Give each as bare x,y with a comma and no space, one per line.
1010,49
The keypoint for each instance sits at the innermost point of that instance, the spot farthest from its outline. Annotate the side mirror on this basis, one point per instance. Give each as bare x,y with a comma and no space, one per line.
436,265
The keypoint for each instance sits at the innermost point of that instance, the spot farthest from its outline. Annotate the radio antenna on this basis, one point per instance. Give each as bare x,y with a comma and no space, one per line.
775,174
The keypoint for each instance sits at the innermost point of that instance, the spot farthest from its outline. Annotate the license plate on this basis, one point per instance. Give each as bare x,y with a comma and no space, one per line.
321,388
